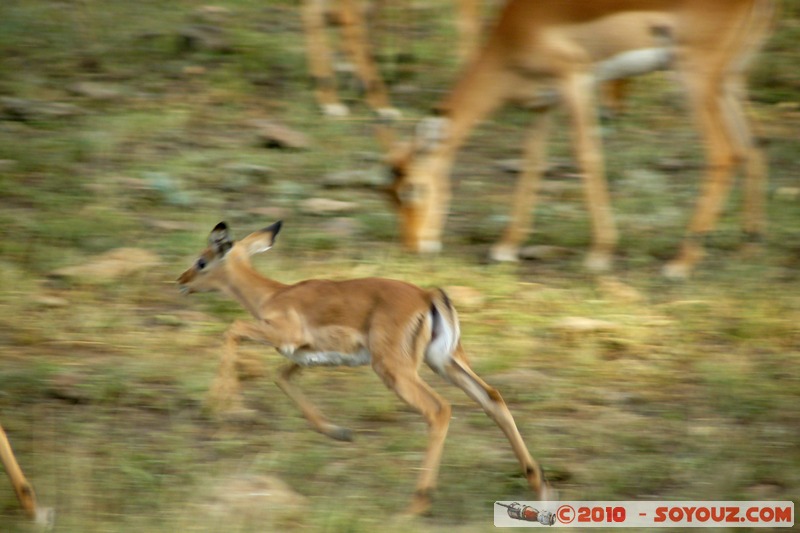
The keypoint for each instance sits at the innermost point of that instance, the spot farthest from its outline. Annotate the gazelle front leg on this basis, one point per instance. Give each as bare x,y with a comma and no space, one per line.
310,412
577,89
458,372
407,384
225,395
525,193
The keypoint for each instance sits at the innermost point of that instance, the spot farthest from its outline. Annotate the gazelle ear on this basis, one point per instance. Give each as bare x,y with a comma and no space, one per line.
262,240
220,240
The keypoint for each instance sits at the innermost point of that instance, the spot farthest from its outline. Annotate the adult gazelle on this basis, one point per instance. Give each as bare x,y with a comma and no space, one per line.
569,46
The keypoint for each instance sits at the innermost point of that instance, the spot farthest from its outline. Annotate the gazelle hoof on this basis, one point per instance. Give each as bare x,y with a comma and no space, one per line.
340,433
419,505
676,270
389,113
335,110
598,261
429,247
504,253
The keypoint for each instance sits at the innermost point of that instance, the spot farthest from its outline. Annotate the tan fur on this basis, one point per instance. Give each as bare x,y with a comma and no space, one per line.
22,488
555,43
398,324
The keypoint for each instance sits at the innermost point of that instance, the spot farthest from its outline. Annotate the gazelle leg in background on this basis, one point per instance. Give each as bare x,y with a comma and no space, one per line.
356,44
22,488
320,61
524,200
577,89
469,24
723,154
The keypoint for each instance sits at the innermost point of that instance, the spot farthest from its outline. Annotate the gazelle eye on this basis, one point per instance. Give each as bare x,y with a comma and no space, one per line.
201,264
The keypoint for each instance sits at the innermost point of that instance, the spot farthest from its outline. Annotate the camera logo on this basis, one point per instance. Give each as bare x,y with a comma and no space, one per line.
527,513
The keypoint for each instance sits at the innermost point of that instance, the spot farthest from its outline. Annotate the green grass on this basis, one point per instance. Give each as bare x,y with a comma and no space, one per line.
693,394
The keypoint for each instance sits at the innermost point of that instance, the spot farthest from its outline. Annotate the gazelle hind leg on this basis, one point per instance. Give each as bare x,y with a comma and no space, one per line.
705,92
23,489
407,384
458,372
309,410
755,167
519,224
356,43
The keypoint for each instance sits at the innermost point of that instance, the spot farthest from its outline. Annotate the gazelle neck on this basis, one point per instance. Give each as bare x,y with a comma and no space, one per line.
479,91
246,285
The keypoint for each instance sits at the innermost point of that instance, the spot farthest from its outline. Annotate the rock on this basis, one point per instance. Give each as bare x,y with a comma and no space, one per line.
788,106
95,91
8,165
269,213
353,179
671,164
46,300
646,180
211,14
326,206
16,109
787,193
58,110
616,290
582,325
194,70
511,166
274,135
341,228
110,266
69,387
203,38
23,110
544,252
167,187
241,175
552,168
249,169
765,491
255,497
169,225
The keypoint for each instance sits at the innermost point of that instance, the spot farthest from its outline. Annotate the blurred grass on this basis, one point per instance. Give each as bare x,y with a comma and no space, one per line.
693,394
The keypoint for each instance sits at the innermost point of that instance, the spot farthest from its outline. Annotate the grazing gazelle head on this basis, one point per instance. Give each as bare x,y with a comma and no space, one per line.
209,272
419,189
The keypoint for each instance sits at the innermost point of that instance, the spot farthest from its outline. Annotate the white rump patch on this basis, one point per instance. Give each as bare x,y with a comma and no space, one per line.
445,338
634,63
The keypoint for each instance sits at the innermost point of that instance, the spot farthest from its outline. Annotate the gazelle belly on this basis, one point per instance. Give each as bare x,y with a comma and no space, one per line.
308,358
634,63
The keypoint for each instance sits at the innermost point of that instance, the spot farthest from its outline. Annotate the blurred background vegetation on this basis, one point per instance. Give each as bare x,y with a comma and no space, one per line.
128,129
